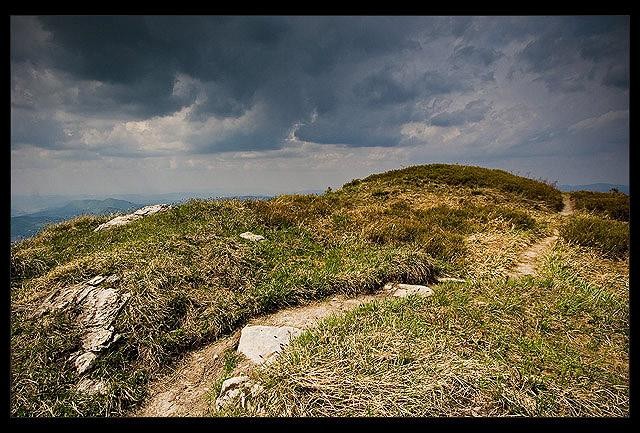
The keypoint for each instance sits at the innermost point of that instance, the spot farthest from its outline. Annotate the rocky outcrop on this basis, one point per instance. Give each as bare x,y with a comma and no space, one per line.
252,237
239,389
98,304
140,213
263,343
403,290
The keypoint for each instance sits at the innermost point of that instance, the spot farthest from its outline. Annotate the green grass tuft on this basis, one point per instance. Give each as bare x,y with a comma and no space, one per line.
610,237
610,204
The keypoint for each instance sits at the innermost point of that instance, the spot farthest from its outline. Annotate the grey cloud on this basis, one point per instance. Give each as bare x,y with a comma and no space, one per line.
364,77
383,88
479,55
555,53
560,83
617,76
474,111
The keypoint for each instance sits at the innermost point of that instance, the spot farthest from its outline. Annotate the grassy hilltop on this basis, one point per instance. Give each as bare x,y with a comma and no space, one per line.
551,344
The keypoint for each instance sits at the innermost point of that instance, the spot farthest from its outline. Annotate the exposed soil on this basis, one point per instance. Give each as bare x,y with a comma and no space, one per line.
183,392
528,258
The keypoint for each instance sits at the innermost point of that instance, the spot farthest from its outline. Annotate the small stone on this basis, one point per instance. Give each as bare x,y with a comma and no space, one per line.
233,383
252,237
91,386
237,389
96,280
84,361
403,290
263,343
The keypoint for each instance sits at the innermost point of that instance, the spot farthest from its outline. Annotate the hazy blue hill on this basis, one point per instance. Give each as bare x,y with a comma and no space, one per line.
28,225
599,187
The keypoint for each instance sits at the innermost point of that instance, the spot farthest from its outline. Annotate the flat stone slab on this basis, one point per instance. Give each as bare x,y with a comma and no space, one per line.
403,290
263,343
126,219
252,237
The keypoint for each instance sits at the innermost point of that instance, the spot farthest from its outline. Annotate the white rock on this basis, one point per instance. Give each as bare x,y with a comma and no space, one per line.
402,290
252,237
98,308
118,221
233,383
84,361
91,386
98,339
96,280
150,210
262,343
101,307
235,389
126,219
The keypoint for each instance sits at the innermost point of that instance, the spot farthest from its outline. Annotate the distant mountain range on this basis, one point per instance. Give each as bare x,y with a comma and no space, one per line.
600,187
23,226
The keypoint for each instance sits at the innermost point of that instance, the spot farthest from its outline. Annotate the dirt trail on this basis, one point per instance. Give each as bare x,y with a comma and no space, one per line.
528,258
569,206
184,392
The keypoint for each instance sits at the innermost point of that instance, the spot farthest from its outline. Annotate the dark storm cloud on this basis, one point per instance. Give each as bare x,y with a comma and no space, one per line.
556,53
347,80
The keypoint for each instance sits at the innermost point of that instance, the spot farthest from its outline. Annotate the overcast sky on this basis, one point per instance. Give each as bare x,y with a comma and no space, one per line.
107,105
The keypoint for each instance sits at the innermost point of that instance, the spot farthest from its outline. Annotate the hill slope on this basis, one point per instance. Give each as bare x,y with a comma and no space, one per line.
28,225
190,279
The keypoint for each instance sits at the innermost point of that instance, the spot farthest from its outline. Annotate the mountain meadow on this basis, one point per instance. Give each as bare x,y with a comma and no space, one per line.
100,318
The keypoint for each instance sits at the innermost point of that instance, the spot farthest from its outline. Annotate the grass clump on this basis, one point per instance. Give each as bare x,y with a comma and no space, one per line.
553,345
610,237
614,205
